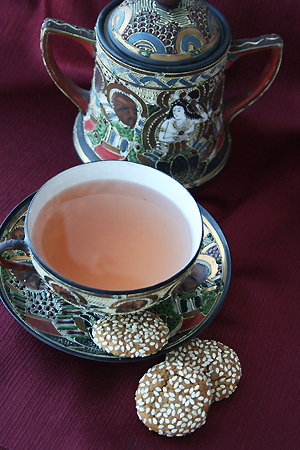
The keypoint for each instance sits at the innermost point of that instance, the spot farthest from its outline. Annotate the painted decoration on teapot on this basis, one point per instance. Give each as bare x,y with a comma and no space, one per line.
155,118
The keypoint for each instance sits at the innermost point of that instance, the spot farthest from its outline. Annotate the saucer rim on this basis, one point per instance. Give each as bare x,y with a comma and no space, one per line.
196,330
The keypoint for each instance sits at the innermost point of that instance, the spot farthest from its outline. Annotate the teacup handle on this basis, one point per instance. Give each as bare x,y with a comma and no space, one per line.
241,47
14,244
86,38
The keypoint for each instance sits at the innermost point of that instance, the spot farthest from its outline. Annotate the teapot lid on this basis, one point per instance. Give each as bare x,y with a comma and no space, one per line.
163,33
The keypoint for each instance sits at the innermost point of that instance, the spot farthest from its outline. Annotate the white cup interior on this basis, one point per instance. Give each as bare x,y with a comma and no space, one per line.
125,171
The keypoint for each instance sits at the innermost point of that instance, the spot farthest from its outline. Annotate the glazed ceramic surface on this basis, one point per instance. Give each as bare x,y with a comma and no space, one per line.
47,316
156,95
110,301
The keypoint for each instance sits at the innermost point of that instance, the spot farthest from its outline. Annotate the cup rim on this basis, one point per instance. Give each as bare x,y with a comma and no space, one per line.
105,292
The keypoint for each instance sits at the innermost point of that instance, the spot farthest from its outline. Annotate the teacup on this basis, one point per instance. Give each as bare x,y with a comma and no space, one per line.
111,237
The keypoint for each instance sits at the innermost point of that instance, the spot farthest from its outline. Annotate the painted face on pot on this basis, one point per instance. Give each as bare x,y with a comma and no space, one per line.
178,112
147,54
125,109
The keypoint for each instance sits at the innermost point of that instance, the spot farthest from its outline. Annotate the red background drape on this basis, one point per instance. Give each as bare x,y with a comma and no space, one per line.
52,400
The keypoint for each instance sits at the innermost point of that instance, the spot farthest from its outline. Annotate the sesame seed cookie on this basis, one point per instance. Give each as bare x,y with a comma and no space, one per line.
219,362
131,335
173,401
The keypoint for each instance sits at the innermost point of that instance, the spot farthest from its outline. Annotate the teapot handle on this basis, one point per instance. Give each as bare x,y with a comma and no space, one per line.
85,37
241,47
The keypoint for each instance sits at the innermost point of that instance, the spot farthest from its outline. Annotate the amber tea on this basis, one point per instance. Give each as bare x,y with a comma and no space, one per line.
112,235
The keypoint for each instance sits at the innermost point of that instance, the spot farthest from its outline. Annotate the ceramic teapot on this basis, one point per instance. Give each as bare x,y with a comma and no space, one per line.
156,96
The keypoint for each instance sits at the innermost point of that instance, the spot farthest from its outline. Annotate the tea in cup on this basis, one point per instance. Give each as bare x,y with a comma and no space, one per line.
111,236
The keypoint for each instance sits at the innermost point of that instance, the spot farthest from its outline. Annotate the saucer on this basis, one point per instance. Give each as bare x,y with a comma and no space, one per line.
68,328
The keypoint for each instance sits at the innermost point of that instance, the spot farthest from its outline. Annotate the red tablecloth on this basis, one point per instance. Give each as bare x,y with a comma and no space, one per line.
52,400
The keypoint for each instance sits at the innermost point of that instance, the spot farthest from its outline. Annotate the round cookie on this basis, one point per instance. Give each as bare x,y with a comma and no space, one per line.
131,335
219,362
173,401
